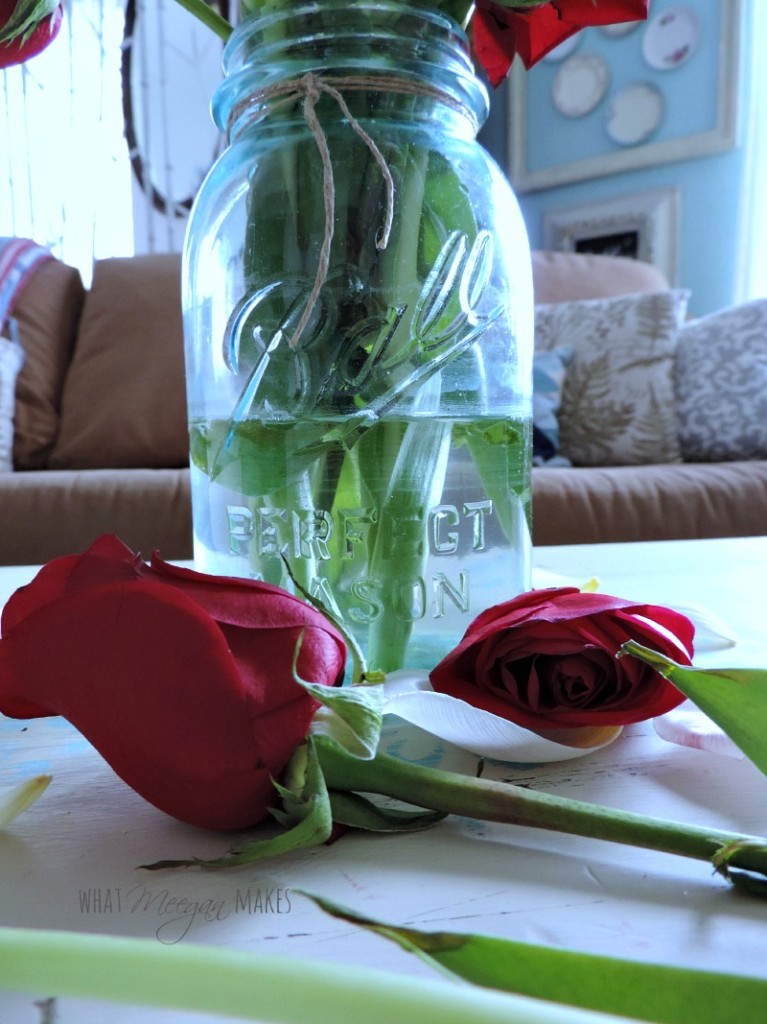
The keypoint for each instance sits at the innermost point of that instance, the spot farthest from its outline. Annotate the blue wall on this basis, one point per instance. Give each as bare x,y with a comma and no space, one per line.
709,186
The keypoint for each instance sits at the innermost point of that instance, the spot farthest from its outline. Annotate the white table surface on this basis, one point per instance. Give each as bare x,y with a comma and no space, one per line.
70,862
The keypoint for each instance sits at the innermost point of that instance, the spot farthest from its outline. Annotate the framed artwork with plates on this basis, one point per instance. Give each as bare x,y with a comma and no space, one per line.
620,97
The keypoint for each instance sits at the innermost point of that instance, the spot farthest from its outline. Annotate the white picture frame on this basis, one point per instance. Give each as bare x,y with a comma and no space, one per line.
606,159
644,225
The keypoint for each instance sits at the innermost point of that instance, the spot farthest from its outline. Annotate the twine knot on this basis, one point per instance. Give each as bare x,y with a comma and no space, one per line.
310,87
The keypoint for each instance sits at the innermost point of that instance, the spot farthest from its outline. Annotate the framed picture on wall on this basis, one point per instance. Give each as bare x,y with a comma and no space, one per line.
619,98
642,226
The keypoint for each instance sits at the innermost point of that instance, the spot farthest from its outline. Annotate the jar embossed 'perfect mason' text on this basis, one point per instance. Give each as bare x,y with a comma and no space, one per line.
358,323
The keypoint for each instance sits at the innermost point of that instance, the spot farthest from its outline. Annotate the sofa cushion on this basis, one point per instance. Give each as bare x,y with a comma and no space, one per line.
124,402
567,276
618,400
721,385
47,313
11,358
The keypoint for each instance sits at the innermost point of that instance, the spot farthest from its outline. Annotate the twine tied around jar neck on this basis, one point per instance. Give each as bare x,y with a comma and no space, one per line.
311,87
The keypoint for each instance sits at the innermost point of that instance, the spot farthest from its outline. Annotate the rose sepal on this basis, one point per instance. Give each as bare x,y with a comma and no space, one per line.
350,715
355,811
305,813
25,18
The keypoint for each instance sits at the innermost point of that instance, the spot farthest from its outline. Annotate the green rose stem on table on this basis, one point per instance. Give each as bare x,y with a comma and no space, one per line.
325,780
263,736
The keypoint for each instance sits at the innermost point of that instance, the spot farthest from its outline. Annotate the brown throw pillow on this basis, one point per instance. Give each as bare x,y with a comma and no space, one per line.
124,401
47,313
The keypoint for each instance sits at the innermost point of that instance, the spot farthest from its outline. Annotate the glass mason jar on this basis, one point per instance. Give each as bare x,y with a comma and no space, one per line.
358,321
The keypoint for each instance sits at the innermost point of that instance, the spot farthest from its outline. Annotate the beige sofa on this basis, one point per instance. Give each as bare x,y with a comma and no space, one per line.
100,442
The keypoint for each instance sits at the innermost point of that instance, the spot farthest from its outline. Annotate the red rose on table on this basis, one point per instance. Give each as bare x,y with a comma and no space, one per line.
25,32
182,681
547,660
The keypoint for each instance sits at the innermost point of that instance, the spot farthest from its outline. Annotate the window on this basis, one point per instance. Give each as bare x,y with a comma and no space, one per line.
67,178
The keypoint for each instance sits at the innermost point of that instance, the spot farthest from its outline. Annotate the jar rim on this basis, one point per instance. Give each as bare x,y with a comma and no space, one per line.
441,43
257,20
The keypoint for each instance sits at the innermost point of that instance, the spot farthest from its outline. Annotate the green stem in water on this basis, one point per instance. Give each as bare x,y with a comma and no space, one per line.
497,801
415,485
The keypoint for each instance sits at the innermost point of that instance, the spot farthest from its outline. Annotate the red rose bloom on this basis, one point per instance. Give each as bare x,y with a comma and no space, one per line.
547,660
183,682
501,30
32,38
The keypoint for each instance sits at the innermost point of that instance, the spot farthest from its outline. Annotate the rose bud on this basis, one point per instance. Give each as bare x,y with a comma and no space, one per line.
547,660
183,682
25,37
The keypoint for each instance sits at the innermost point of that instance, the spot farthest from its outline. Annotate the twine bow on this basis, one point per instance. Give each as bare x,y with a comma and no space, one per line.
311,87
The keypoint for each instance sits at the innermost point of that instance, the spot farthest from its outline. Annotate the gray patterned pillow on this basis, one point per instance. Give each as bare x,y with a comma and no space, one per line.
618,400
721,385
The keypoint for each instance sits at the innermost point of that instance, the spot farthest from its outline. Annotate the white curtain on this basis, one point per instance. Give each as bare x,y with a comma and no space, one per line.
67,177
752,251
64,173
171,67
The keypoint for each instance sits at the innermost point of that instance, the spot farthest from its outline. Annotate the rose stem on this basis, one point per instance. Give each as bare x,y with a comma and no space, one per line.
202,10
498,801
249,986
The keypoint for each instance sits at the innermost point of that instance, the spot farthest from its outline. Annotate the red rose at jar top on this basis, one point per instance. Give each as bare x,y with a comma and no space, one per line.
547,660
183,682
31,40
531,29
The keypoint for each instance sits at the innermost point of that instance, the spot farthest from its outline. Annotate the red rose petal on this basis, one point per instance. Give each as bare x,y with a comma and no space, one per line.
148,678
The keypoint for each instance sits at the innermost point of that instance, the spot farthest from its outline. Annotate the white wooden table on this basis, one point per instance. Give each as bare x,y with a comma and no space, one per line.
70,862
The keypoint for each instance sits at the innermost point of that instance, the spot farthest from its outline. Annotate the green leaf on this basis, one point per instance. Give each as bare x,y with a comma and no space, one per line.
25,17
647,992
306,810
736,699
741,879
350,715
247,984
359,812
15,800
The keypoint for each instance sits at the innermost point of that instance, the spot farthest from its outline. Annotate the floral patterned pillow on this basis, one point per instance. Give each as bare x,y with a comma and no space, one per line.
548,380
618,399
721,385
